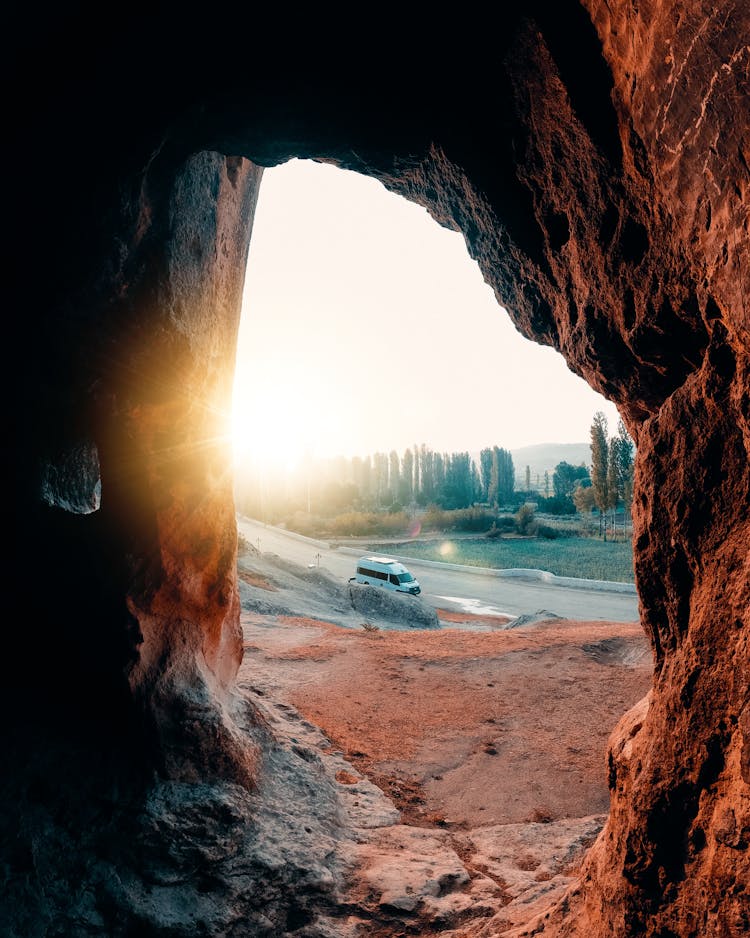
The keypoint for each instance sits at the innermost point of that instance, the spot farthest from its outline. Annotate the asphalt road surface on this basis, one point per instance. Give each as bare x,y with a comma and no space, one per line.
476,592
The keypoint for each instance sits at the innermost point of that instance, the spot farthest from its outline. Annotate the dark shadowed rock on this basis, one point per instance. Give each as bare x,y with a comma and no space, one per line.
595,157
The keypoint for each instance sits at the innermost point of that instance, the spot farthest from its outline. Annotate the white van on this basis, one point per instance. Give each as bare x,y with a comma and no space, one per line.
390,574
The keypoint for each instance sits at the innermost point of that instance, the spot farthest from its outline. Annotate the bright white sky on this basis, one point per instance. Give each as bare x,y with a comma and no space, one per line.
367,327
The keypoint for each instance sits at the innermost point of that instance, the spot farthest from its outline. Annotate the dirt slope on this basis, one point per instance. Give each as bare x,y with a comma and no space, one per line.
488,740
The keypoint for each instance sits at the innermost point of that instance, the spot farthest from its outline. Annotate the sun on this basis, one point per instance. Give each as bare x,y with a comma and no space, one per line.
271,425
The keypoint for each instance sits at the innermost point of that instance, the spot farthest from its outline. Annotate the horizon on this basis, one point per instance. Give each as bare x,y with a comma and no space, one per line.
366,326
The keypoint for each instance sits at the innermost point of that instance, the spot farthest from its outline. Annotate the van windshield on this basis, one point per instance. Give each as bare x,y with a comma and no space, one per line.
405,577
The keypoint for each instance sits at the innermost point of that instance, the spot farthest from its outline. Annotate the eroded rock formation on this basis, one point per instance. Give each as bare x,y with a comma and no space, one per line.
596,157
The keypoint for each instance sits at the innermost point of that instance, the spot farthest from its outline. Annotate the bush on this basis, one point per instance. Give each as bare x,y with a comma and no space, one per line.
471,519
393,523
557,505
304,523
434,519
544,530
369,522
475,519
525,521
354,522
503,524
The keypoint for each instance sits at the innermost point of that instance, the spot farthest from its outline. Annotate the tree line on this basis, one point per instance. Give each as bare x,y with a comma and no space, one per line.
392,481
421,477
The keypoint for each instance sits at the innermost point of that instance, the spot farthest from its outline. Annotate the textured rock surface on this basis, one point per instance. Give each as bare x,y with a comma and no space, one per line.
375,604
596,157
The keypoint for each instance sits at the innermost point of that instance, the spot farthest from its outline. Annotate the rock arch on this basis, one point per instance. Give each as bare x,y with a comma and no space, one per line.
596,157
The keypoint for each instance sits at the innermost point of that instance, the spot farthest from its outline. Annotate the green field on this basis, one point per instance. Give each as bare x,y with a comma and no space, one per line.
568,556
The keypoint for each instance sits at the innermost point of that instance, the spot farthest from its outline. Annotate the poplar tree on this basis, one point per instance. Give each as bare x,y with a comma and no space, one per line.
427,473
438,467
407,475
493,488
365,485
485,467
625,448
476,483
380,473
394,475
599,466
506,476
613,487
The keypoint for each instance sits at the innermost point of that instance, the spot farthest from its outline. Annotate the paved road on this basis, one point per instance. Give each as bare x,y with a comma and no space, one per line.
472,590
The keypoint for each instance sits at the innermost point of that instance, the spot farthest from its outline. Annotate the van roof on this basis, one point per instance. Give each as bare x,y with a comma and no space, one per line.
378,559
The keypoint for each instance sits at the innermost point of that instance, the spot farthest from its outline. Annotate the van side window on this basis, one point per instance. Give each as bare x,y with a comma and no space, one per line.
393,579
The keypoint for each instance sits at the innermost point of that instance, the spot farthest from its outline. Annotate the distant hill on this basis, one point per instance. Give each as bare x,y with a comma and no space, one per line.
545,456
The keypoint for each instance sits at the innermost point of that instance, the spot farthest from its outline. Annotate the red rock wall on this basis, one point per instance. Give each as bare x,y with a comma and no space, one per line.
166,456
596,157
674,857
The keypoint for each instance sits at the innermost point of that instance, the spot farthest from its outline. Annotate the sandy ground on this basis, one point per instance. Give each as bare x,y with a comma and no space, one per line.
470,729
462,728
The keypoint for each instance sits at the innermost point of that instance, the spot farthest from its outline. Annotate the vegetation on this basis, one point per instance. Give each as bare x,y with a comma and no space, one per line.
384,482
611,472
475,520
571,556
497,476
423,492
566,477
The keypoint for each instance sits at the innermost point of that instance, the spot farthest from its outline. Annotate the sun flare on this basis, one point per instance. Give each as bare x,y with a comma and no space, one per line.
276,423
268,429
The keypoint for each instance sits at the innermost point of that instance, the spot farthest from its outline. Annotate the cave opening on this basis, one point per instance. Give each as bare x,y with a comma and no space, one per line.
596,162
431,726
365,328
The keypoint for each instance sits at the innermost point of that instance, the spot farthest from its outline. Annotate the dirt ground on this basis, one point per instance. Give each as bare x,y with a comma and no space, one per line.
461,728
472,752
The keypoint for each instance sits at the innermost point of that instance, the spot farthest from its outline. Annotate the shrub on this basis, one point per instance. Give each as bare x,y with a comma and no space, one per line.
354,522
471,519
506,523
503,524
393,523
303,523
434,519
557,505
476,519
544,530
525,521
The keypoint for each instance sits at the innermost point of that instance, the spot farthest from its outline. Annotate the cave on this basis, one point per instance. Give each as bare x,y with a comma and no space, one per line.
596,158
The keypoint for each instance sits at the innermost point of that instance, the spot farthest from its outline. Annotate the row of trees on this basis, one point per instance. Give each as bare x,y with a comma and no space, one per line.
383,481
421,477
497,476
611,483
